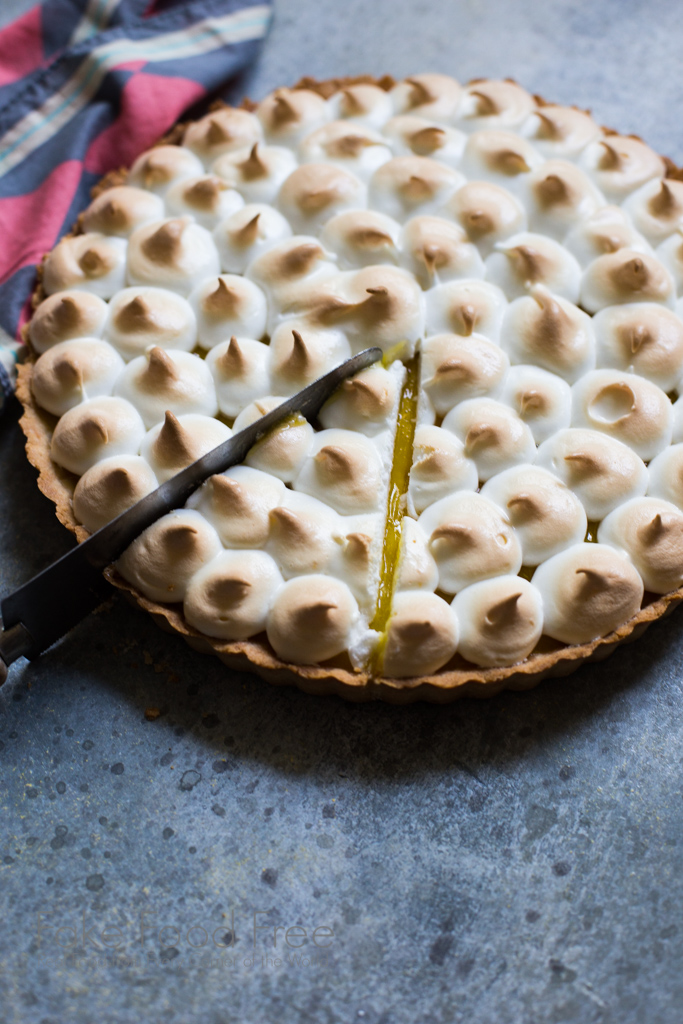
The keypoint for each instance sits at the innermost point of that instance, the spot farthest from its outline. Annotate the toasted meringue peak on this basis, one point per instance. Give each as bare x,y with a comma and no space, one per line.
558,195
73,371
350,146
602,472
465,308
650,531
257,172
92,263
531,259
230,597
384,303
499,156
208,199
493,435
666,475
440,467
588,590
366,402
428,95
289,114
238,505
656,209
470,539
487,212
166,379
416,568
66,315
643,338
304,535
297,357
547,330
546,515
494,104
619,164
605,231
96,430
501,621
315,192
284,449
422,635
542,399
119,210
240,371
140,317
454,368
420,136
222,131
344,470
247,234
157,168
228,305
109,488
437,250
177,442
364,104
626,276
362,238
312,619
408,185
625,406
287,266
176,253
163,559
562,132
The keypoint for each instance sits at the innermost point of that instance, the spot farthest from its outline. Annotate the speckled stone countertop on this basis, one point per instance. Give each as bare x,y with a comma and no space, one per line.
515,860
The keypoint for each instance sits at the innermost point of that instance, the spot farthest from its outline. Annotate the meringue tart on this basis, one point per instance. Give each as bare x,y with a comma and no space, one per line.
498,501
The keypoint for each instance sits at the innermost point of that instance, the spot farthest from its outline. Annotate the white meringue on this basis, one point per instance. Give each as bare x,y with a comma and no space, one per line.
289,114
313,618
487,212
167,379
558,195
454,368
222,131
492,104
542,399
158,168
428,95
501,157
546,515
550,332
284,448
238,505
176,253
465,308
625,406
228,305
366,402
493,435
289,267
408,185
315,192
421,636
66,315
620,164
361,238
298,355
305,535
643,338
626,276
361,103
670,254
470,540
247,234
437,250
92,263
656,209
439,467
73,371
162,560
650,532
110,487
140,317
122,209
419,136
178,441
240,372
588,590
208,199
230,597
530,259
96,430
562,132
258,172
666,475
351,147
600,470
416,568
500,620
343,469
605,231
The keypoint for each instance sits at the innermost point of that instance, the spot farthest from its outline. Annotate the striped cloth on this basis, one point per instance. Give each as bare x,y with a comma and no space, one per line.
85,86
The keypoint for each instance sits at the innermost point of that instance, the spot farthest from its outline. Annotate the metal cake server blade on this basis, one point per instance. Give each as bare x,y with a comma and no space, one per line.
41,611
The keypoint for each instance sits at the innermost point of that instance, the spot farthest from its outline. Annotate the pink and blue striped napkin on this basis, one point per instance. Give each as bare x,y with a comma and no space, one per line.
85,86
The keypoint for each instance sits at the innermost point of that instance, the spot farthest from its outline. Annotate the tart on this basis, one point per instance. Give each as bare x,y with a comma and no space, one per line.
497,501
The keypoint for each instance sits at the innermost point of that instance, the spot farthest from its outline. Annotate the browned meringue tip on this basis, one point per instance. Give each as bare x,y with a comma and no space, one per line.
299,260
204,193
160,369
135,316
552,191
482,435
527,262
611,159
653,531
334,463
233,361
247,234
583,464
67,372
283,111
549,130
228,495
253,167
172,444
503,613
455,534
664,203
112,215
357,548
94,264
228,591
223,301
66,314
286,525
622,395
486,105
94,430
368,401
427,140
180,538
531,401
509,162
298,360
163,245
350,104
216,133
419,93
523,507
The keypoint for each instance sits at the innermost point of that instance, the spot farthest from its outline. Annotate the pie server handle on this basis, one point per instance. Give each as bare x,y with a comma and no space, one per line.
41,611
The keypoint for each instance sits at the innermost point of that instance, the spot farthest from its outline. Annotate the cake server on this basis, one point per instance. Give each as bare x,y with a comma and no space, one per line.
41,611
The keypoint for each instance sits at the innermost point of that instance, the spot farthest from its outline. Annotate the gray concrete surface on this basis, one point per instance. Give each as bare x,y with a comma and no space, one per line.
517,860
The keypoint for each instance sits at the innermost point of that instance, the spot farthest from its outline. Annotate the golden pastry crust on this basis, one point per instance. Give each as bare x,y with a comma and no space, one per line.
457,679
